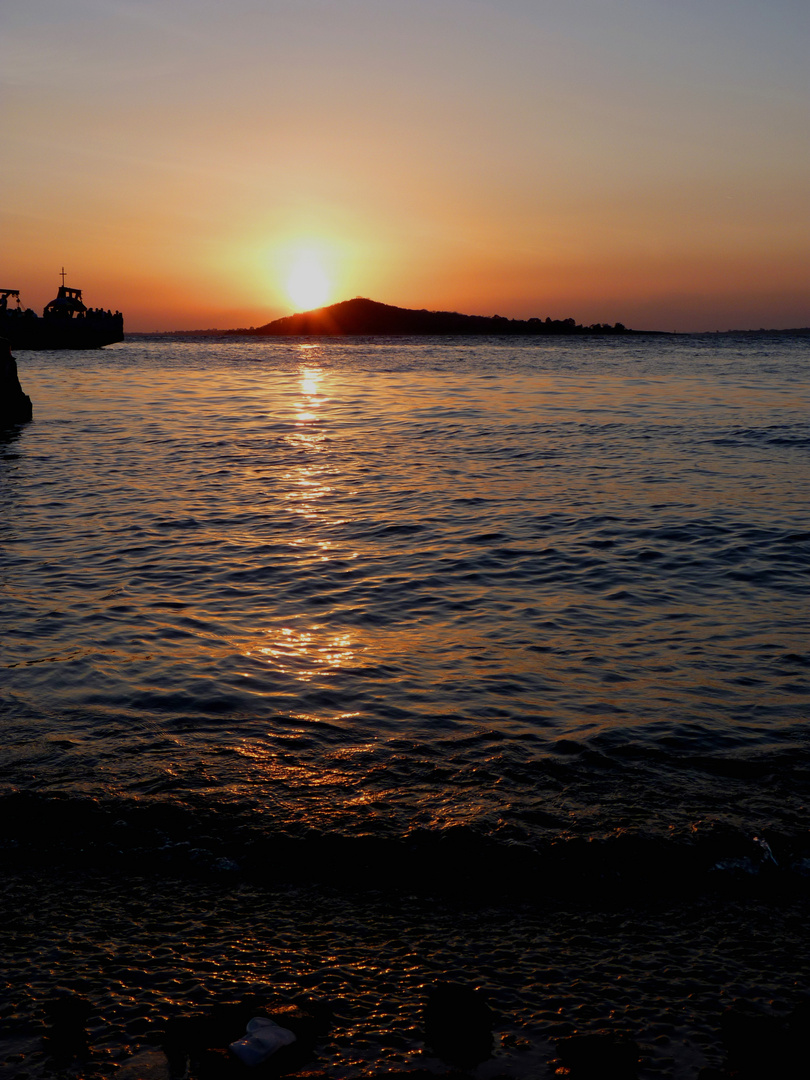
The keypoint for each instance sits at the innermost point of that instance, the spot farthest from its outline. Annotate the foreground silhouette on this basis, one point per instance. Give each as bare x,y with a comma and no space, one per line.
15,406
65,324
361,316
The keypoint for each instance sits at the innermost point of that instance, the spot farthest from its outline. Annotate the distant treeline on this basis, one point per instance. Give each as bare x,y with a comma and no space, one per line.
368,317
796,331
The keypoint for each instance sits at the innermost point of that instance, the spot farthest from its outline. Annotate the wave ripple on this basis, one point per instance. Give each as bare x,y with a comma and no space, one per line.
540,591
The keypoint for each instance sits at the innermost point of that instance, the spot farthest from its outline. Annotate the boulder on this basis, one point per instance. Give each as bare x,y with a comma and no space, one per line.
764,1045
458,1024
15,406
218,1064
302,1021
67,1016
600,1056
145,1065
204,1038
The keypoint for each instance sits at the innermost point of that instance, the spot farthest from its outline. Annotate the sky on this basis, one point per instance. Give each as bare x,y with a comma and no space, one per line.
203,164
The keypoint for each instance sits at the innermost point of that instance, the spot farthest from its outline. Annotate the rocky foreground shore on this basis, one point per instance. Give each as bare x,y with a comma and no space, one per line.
251,1038
157,977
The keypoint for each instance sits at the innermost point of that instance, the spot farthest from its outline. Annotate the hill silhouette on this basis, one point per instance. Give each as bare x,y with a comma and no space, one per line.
362,317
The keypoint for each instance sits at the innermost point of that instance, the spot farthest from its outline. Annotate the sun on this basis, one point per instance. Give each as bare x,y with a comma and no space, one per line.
307,285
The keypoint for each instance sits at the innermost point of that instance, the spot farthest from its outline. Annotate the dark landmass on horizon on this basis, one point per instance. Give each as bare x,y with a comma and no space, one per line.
362,317
368,318
796,331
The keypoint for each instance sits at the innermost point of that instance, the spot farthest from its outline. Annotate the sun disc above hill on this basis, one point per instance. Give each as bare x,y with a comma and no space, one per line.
308,285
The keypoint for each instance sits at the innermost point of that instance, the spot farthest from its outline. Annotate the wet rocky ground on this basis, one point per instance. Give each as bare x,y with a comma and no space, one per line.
141,957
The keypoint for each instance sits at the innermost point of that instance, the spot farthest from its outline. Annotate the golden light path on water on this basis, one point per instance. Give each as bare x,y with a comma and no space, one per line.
308,650
312,652
318,566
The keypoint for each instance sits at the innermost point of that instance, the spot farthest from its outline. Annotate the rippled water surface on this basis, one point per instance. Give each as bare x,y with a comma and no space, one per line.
380,588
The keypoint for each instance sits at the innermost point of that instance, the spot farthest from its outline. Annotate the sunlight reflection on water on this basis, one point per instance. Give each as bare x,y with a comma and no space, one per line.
463,565
307,652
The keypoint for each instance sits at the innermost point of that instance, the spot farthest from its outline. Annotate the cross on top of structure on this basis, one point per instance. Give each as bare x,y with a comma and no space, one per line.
63,277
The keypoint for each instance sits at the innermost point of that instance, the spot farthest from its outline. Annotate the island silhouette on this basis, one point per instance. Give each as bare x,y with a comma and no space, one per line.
368,317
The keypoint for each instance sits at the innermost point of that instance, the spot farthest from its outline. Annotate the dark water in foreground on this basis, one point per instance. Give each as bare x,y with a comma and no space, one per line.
522,615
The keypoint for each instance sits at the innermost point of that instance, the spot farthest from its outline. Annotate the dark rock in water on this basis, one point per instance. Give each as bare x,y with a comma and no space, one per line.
299,1021
146,1065
184,1037
765,1046
799,1027
319,1010
15,406
749,1036
458,1024
422,1074
601,1056
67,1015
204,1038
218,1064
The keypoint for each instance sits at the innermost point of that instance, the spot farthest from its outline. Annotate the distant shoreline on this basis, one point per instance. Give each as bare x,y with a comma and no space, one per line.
361,317
368,318
245,332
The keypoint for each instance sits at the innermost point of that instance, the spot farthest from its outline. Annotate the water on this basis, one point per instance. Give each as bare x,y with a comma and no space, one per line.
377,587
500,612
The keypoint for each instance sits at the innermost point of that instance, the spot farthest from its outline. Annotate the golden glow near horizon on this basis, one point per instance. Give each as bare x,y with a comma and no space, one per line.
308,286
601,159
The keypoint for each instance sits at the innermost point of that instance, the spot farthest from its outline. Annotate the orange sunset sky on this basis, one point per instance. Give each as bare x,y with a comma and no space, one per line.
217,164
